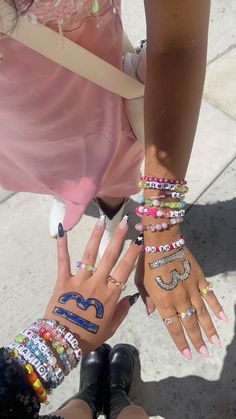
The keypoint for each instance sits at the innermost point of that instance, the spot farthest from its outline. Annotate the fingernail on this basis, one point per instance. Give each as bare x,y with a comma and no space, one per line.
204,351
124,222
133,299
216,341
60,230
187,353
101,222
223,316
139,240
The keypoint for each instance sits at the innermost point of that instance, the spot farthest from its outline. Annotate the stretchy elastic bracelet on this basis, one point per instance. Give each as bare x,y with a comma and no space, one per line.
165,247
154,200
164,180
158,212
158,227
162,186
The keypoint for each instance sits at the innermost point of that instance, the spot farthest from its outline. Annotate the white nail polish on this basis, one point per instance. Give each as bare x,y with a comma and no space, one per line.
101,223
124,222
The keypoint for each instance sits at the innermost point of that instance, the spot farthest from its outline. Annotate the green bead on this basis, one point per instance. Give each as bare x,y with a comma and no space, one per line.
60,349
20,338
149,202
95,6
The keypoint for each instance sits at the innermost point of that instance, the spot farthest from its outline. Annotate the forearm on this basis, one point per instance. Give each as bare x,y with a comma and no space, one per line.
176,63
173,94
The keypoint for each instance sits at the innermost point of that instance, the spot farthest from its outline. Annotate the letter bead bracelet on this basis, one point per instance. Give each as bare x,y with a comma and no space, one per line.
158,212
166,247
162,186
38,351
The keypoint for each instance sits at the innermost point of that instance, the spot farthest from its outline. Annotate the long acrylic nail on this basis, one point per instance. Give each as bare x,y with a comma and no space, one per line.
187,353
204,351
133,299
139,240
216,341
101,222
60,230
124,222
223,316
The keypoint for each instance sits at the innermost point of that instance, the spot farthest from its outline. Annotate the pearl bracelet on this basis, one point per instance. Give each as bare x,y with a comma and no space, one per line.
158,227
165,247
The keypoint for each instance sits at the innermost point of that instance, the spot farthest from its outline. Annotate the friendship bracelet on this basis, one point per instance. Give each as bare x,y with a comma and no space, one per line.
158,227
165,247
152,201
157,212
166,186
164,180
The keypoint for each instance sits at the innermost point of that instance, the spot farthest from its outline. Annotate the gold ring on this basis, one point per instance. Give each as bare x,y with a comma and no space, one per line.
118,284
206,290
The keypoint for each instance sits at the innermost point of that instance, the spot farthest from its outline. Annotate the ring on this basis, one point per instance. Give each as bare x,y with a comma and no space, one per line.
118,284
187,313
87,266
168,320
206,290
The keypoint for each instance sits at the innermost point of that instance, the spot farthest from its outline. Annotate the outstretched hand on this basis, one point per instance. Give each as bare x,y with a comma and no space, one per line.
87,302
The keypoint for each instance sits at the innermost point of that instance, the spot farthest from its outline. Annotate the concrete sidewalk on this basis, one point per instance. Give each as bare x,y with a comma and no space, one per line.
169,386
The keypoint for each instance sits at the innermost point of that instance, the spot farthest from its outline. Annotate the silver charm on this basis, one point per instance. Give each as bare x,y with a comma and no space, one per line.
176,277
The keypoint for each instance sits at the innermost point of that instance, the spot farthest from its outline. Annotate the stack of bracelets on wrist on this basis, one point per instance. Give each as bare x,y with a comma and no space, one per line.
160,206
45,352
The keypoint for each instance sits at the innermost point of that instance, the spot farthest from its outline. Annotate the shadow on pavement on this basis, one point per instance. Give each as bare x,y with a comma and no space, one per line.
191,396
210,231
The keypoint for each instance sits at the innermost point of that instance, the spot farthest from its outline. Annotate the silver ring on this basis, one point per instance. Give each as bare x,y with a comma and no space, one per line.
188,313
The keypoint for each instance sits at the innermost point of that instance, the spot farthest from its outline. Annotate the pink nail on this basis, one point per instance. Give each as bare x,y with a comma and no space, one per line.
216,341
101,222
223,316
186,352
204,351
124,222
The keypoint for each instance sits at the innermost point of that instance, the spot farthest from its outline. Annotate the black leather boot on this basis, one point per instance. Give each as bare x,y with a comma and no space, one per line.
93,379
120,370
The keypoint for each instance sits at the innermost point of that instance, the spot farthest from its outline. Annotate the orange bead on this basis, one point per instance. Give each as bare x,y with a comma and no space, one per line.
32,377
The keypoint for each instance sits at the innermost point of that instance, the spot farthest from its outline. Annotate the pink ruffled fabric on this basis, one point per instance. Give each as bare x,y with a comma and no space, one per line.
60,134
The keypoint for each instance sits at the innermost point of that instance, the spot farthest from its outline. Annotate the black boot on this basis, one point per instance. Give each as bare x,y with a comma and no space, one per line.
93,375
121,369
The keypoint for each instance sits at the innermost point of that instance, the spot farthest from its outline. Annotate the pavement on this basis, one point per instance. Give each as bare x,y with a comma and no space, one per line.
167,385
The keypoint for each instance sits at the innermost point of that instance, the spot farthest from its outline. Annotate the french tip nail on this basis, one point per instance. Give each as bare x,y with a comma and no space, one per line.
101,222
133,299
139,240
187,354
204,351
124,222
60,230
216,341
223,316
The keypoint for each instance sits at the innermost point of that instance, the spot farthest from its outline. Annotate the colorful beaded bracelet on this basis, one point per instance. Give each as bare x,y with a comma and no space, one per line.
166,186
157,212
164,247
164,180
88,267
158,227
150,201
156,203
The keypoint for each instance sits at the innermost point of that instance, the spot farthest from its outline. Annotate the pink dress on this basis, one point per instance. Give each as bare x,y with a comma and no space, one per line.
60,134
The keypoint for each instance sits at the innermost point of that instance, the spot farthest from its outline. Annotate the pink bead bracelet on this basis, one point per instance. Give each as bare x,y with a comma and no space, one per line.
164,180
158,212
165,247
158,227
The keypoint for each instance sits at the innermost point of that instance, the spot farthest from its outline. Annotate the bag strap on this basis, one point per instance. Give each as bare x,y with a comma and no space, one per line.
70,55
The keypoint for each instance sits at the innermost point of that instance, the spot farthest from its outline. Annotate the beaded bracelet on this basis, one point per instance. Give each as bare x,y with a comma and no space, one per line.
158,227
18,352
166,186
165,247
164,180
154,200
158,213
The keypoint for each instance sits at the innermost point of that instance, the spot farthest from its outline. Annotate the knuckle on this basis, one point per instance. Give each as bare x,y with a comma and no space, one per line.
111,254
88,255
192,327
202,310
